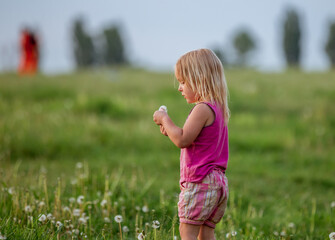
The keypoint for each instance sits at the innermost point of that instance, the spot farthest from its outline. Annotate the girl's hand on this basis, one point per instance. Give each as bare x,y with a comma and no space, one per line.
159,116
162,129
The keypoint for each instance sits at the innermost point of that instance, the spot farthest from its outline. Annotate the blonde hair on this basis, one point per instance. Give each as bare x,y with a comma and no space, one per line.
203,72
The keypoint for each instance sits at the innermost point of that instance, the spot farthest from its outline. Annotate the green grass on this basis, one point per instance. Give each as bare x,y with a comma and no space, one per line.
281,166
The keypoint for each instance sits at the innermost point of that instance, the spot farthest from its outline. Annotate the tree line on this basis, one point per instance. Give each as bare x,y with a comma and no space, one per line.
109,48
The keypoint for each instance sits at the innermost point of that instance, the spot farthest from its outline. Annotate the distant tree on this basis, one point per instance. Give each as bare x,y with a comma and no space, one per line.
330,46
292,38
221,55
243,44
84,52
113,50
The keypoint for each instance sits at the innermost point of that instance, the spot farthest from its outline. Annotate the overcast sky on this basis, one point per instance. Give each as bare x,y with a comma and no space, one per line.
158,32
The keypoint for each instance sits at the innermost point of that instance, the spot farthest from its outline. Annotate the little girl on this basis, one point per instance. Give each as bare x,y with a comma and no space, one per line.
203,142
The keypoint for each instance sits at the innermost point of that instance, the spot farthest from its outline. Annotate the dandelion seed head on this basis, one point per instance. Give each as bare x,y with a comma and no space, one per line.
233,233
80,199
275,233
155,224
11,190
66,209
332,236
332,204
30,218
283,234
227,235
2,237
76,212
291,225
42,218
75,231
107,220
137,208
59,224
41,204
145,209
118,218
103,203
79,165
28,209
72,200
125,229
141,236
49,216
82,220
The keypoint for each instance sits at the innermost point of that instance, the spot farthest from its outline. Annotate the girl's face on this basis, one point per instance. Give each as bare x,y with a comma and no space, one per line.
187,92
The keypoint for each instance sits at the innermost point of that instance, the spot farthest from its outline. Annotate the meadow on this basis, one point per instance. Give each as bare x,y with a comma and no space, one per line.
80,157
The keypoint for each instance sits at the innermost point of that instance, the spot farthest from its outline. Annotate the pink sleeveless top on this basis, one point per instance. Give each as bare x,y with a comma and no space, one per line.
209,150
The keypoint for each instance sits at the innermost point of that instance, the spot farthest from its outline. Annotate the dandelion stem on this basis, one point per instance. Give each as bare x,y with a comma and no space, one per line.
120,231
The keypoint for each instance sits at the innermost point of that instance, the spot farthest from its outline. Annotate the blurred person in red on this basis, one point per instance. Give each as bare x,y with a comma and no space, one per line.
29,53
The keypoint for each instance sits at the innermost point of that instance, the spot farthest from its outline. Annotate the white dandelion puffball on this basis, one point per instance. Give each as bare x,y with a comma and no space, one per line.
163,108
80,199
332,204
125,229
291,225
145,209
49,216
155,224
233,233
59,224
42,218
140,236
72,200
76,212
28,209
332,236
2,236
107,220
103,203
79,165
118,218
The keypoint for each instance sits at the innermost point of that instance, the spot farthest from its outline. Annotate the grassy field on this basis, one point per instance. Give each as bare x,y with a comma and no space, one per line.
81,149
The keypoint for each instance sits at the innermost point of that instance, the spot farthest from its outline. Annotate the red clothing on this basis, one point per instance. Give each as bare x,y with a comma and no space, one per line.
29,54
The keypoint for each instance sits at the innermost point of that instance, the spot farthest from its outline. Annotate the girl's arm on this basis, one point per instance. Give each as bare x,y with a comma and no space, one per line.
200,116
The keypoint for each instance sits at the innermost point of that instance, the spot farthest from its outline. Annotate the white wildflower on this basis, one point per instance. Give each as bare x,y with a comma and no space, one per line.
11,190
49,216
118,218
28,209
125,229
155,224
2,236
59,224
82,220
141,236
332,204
42,218
41,204
76,212
72,200
291,225
233,233
228,235
107,220
80,199
103,203
66,209
145,209
332,236
79,165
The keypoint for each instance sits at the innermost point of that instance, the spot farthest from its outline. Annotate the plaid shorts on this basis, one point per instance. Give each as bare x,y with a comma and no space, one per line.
205,202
